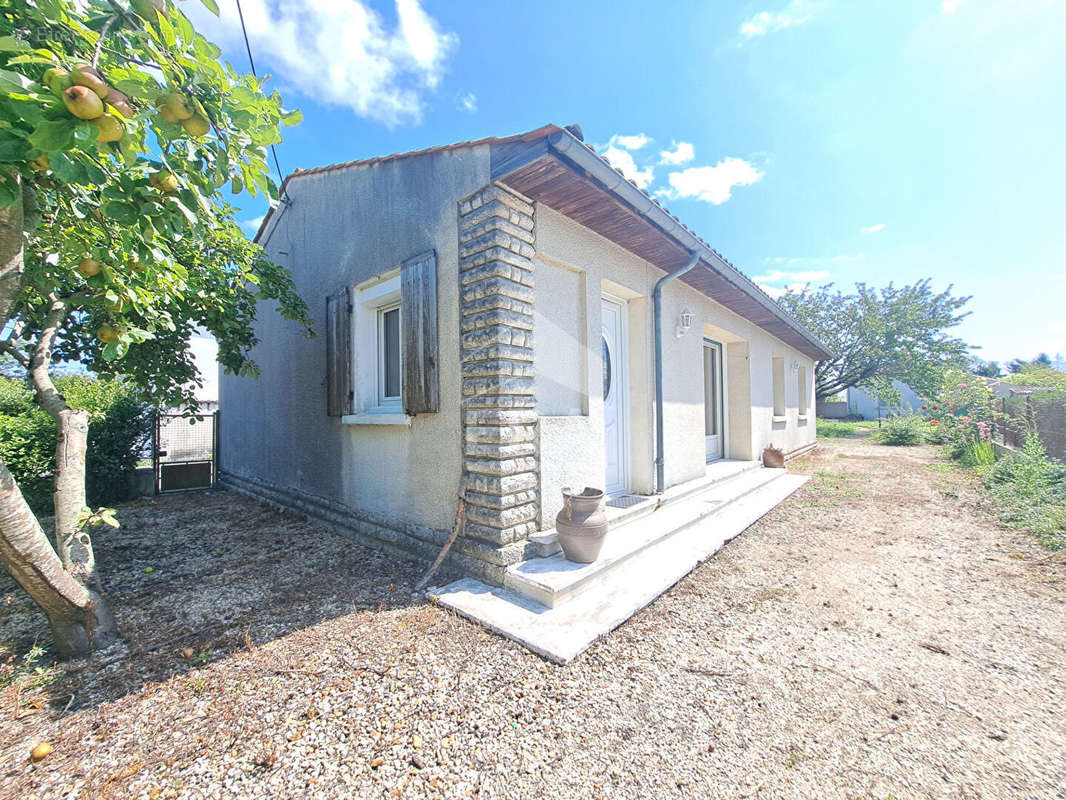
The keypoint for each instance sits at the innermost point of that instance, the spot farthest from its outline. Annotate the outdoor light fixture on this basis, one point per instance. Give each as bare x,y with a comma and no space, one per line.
685,322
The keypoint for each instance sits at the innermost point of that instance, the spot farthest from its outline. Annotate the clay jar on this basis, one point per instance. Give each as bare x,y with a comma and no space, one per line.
581,525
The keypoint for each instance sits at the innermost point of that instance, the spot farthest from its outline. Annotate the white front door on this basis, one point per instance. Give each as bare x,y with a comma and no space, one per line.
712,398
615,381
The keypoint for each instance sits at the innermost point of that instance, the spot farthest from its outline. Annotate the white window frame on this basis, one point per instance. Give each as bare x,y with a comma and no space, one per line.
371,299
777,381
388,403
803,400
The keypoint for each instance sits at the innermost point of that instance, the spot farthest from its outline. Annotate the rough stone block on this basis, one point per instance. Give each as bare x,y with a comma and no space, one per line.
498,316
494,352
496,269
500,484
500,434
501,451
499,468
497,385
497,287
485,416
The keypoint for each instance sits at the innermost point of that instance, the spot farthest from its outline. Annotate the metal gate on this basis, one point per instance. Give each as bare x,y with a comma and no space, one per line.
186,451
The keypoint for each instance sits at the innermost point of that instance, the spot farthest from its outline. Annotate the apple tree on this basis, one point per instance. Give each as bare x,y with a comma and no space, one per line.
120,128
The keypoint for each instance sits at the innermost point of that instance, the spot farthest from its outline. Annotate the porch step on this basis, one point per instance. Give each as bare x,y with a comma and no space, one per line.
563,632
717,472
553,580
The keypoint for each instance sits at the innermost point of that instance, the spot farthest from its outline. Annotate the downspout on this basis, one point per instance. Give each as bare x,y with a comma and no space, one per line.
657,298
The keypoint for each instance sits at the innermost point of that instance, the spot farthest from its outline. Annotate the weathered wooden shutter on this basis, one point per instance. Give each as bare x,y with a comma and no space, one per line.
339,354
418,308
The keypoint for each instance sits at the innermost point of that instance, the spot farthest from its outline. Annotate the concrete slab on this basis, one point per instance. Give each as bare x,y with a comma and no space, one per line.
553,579
562,633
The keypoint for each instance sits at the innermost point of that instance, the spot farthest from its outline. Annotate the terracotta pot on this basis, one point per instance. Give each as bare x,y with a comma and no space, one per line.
581,525
773,458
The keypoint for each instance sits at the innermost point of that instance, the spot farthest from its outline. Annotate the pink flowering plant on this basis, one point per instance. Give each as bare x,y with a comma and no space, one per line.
964,417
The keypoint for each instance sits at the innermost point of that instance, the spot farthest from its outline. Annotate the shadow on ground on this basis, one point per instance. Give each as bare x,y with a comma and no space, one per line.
193,577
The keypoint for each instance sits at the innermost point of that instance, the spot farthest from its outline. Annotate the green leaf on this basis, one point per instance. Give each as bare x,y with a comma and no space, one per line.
211,6
51,136
14,81
122,213
291,117
11,44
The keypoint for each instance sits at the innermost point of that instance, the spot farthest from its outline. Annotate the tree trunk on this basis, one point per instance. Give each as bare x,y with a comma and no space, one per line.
74,547
73,544
79,617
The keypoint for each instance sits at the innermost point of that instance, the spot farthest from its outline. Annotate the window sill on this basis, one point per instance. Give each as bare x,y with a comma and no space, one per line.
377,418
802,417
777,420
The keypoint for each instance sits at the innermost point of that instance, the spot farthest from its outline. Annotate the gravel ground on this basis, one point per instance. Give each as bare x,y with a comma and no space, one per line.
875,636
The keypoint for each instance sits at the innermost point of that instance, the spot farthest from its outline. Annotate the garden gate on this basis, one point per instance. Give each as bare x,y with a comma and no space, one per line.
185,451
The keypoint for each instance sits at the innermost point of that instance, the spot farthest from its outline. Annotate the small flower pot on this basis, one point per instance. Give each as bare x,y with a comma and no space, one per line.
582,524
773,458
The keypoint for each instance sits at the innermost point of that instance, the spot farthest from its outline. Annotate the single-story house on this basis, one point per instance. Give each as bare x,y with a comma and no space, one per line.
865,405
487,315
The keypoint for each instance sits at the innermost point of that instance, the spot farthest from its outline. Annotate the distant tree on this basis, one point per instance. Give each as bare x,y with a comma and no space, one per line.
986,369
881,335
1019,364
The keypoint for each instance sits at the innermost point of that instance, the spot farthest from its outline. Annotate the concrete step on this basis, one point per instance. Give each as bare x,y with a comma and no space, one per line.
717,472
565,631
553,580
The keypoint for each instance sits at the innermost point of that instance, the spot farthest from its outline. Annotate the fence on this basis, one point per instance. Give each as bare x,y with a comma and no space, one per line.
1039,412
185,452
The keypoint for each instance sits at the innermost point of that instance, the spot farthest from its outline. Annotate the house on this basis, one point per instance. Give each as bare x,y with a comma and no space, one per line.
486,318
866,406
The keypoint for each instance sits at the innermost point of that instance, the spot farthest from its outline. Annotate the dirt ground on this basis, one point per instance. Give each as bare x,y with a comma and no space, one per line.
875,636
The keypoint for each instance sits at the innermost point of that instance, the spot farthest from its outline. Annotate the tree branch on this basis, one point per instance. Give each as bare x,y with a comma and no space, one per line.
48,397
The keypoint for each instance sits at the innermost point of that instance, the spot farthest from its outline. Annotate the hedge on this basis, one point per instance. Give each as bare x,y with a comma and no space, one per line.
119,431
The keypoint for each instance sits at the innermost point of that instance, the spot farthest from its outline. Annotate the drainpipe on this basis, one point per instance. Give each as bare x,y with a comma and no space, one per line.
657,297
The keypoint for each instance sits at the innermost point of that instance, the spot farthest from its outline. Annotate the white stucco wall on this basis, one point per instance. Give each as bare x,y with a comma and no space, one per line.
572,445
340,229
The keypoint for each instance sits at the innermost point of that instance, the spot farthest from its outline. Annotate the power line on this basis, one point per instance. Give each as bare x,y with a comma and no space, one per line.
248,48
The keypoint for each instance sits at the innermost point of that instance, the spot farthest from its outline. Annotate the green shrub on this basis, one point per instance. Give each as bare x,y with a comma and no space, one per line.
120,428
1029,490
838,428
979,453
903,431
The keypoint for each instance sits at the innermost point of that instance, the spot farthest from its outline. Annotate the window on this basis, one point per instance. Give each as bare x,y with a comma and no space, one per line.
801,385
779,386
389,355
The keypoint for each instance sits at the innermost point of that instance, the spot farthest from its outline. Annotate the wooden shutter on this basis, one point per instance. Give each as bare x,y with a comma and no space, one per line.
339,354
418,310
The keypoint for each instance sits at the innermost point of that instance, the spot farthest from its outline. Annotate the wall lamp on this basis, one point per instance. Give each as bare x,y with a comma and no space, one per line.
684,323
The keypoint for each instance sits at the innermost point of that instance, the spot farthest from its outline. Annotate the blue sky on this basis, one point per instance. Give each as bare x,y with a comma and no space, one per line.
806,140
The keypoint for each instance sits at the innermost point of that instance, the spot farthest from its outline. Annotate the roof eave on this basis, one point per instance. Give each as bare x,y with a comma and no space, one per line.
573,151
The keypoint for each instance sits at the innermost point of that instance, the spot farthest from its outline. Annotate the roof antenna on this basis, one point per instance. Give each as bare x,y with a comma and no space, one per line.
575,129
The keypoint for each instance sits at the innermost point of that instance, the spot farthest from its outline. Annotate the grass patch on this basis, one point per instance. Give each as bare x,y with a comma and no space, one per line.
904,431
1029,490
833,486
839,429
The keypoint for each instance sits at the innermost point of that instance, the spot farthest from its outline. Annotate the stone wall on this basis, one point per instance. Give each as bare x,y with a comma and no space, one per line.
499,417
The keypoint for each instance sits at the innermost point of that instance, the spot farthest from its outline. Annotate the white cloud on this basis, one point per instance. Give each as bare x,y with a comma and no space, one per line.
250,226
950,6
880,226
681,153
634,142
467,102
796,261
796,277
340,52
622,160
713,184
795,13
